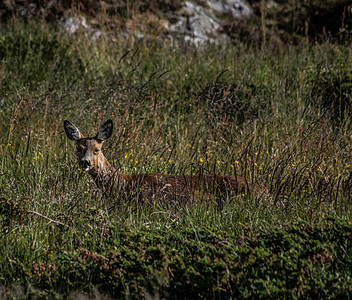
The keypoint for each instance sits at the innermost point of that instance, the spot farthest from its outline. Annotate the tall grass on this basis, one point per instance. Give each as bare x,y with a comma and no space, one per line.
177,109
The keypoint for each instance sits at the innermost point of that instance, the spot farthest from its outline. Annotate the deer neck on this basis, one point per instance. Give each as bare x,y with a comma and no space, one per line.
104,174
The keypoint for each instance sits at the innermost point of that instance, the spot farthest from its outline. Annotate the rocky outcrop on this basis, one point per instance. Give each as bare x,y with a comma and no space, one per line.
199,23
195,21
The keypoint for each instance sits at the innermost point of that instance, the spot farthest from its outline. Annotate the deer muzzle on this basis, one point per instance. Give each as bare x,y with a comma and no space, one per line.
85,165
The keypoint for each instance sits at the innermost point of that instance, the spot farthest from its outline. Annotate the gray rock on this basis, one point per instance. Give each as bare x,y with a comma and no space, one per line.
195,23
73,24
201,23
237,8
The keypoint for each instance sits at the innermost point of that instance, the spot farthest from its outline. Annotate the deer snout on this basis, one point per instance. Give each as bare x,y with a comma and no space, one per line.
85,165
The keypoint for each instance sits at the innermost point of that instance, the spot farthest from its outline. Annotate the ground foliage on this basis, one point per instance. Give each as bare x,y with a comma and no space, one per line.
299,260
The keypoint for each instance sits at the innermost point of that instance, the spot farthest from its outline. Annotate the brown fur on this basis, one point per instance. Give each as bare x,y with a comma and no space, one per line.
92,159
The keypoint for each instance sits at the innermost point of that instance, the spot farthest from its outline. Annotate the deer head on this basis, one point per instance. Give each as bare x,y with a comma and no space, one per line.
89,149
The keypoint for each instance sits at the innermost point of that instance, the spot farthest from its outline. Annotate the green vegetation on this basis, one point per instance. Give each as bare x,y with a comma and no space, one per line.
278,117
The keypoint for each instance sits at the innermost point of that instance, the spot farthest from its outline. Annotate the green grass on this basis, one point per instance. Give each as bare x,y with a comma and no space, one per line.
280,118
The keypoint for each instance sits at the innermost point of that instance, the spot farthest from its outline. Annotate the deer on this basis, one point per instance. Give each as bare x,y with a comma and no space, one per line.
92,160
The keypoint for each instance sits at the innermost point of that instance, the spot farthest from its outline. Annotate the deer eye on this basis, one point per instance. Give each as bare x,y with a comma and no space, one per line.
96,150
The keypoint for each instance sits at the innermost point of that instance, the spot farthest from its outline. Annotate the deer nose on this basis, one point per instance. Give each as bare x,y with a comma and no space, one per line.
85,165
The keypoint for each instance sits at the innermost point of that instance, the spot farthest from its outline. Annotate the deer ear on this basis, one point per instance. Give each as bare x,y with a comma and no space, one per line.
72,131
105,131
